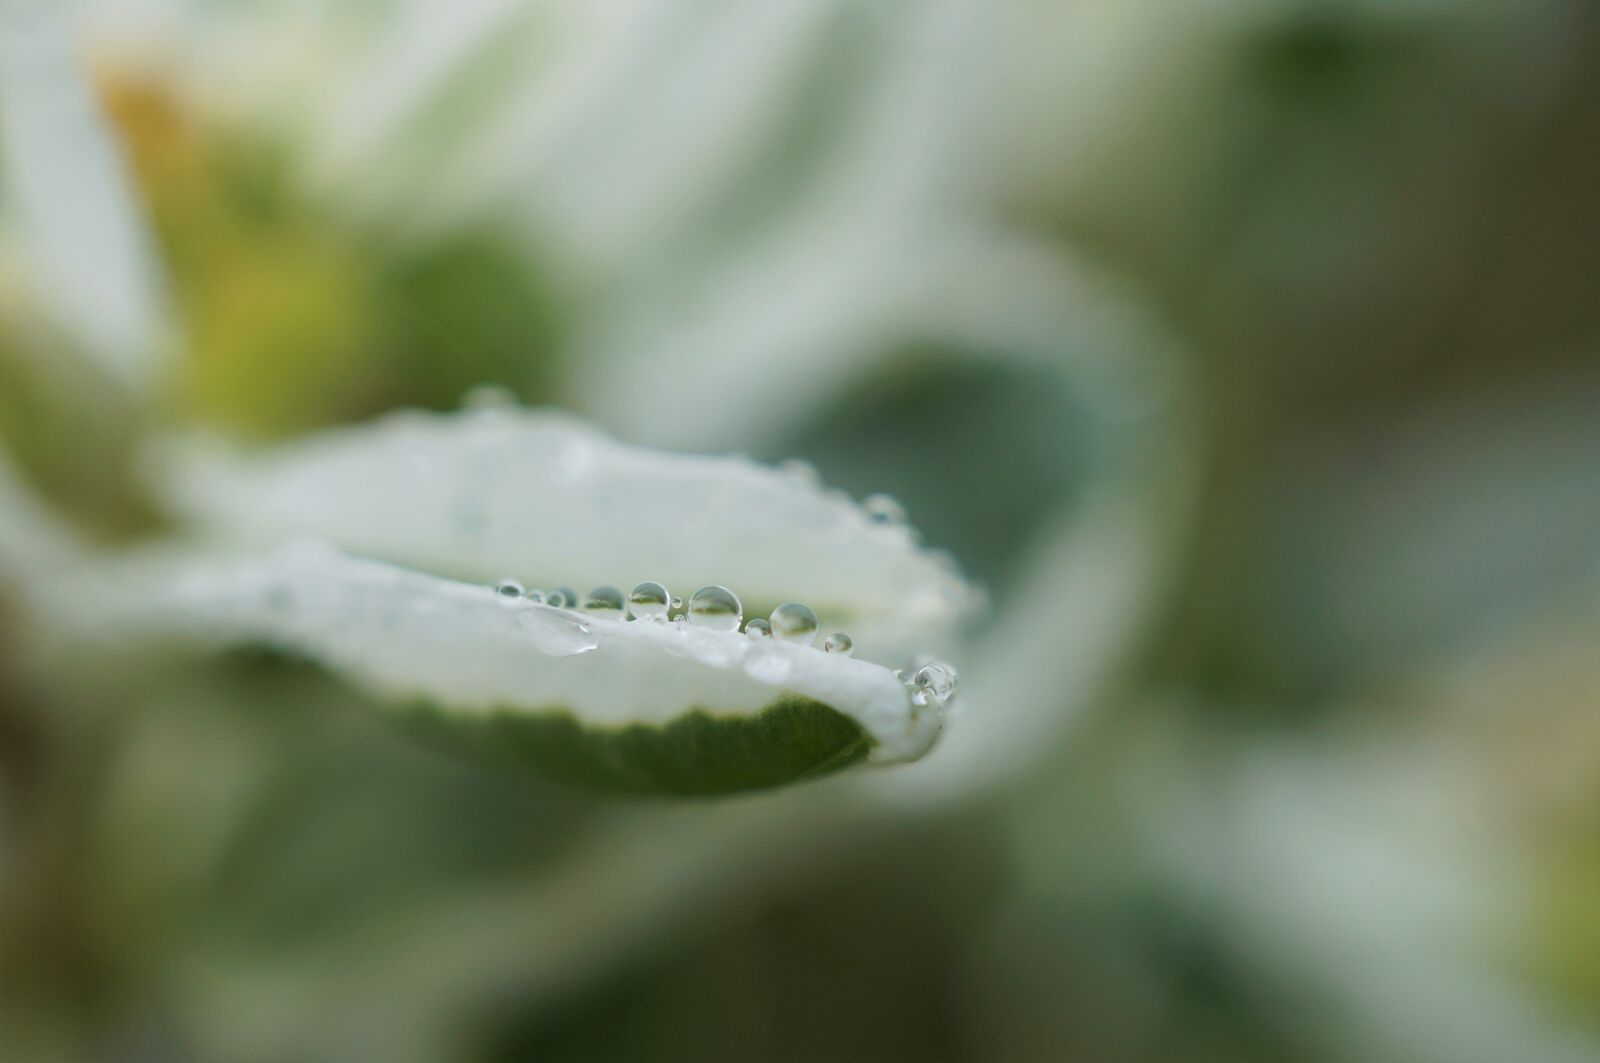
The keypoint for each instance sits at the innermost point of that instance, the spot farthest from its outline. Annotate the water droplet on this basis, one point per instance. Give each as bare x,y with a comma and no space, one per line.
678,619
758,628
800,471
509,589
604,602
488,397
840,643
556,633
677,602
935,680
648,601
793,622
716,608
884,509
535,595
562,598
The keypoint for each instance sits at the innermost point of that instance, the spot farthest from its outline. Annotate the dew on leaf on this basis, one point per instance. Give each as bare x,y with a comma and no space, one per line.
794,622
715,608
884,509
605,602
935,681
648,601
800,471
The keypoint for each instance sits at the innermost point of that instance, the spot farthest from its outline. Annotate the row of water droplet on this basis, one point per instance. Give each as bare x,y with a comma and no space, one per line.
716,608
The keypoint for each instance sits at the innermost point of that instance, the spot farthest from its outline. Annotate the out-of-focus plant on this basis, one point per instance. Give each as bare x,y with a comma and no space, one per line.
831,229
692,706
293,290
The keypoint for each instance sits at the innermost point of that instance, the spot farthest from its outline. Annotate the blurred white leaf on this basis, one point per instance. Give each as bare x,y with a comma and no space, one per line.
469,654
544,498
67,202
34,541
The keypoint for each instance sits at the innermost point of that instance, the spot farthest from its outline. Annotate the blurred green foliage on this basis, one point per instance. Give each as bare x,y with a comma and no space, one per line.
1367,224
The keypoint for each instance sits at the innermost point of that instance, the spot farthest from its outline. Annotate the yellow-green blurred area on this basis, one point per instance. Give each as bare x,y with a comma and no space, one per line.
295,321
1338,796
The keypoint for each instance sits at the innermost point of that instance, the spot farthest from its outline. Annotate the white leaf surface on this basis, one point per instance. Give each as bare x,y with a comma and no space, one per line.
407,636
67,201
543,498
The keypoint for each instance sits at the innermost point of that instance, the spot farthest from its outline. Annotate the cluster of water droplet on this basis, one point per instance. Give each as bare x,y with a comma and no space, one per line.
714,608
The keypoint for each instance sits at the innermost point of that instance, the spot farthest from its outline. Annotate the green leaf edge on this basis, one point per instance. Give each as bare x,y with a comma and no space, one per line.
694,754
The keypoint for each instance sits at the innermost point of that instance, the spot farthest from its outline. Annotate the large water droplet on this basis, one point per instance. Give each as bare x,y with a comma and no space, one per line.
840,643
557,634
884,509
604,602
758,628
509,589
716,608
648,601
793,622
935,680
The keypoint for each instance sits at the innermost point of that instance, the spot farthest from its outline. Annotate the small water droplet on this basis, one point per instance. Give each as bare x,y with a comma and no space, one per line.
678,619
794,622
800,471
716,608
935,680
509,589
677,602
488,397
604,602
758,628
648,601
562,598
534,594
884,509
840,643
